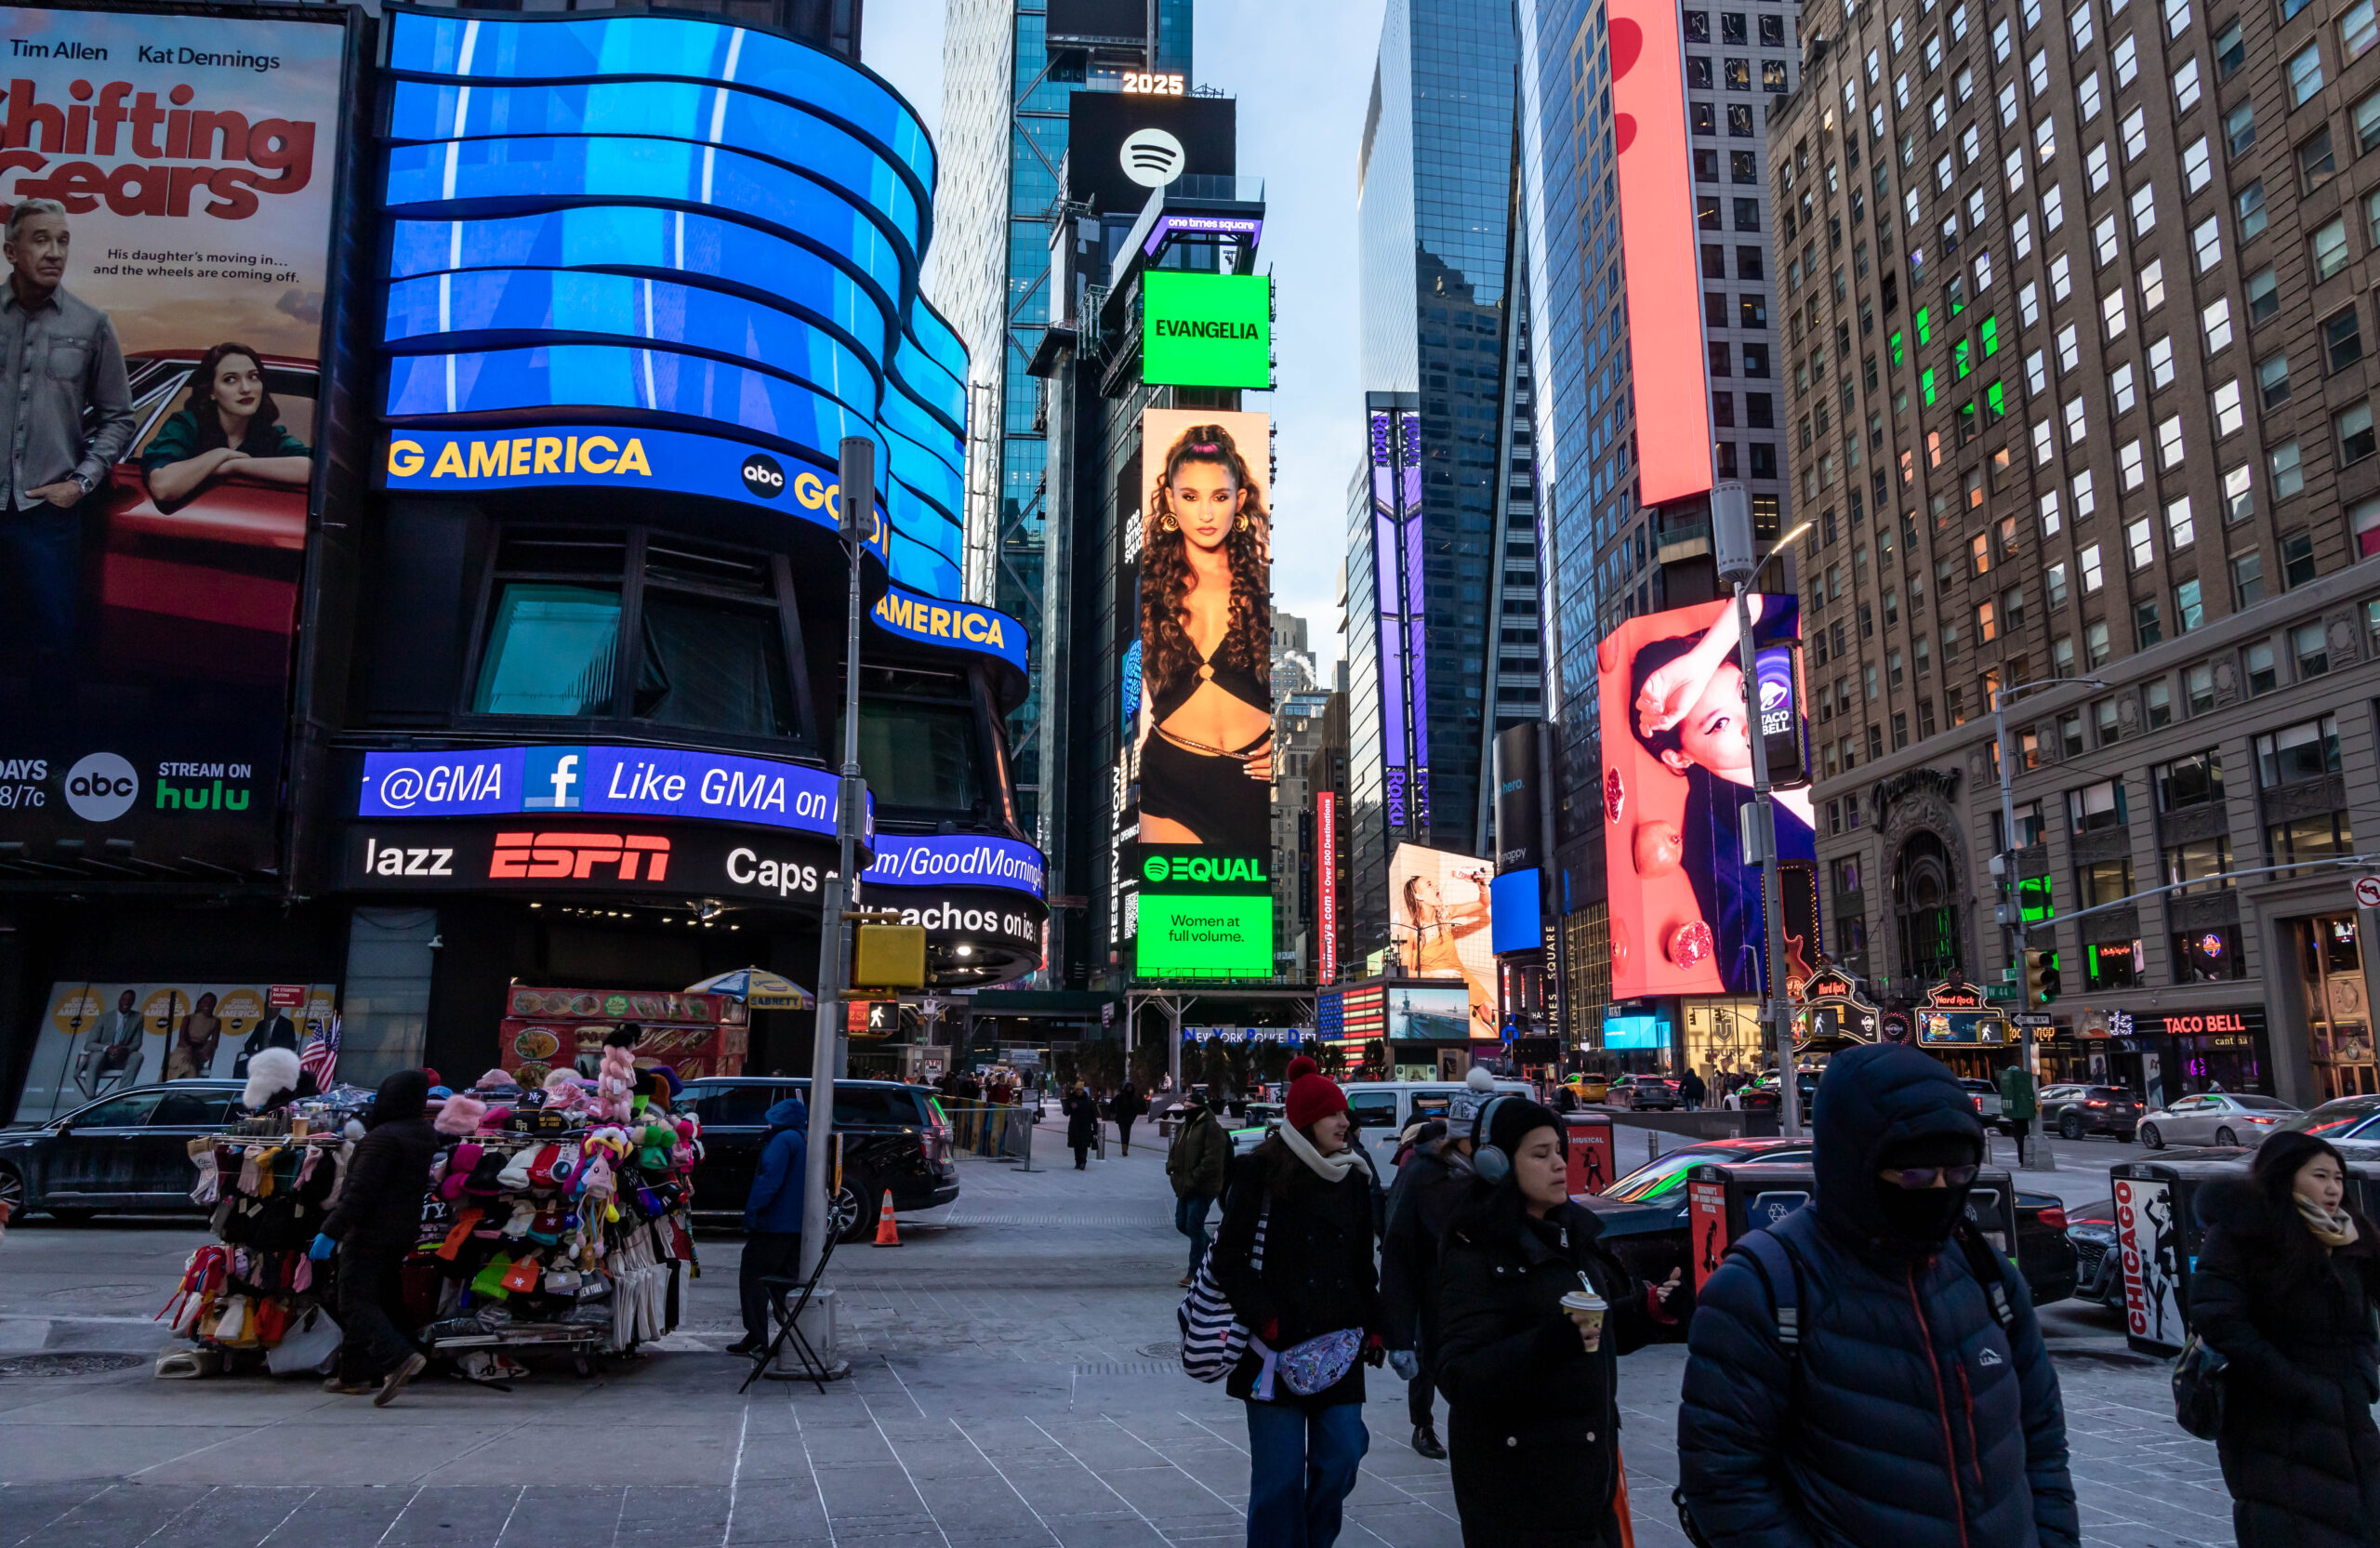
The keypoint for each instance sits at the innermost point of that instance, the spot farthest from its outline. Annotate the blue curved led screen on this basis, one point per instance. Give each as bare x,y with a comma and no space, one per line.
649,220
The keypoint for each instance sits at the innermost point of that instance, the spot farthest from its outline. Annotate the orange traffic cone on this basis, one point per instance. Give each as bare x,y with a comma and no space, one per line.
888,1231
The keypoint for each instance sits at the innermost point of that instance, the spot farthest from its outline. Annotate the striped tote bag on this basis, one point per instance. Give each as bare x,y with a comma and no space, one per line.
1212,1339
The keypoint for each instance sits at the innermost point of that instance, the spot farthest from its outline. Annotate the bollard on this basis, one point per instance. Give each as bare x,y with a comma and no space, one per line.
1652,1145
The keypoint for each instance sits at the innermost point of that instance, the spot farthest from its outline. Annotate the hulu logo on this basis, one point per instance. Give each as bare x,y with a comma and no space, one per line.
209,797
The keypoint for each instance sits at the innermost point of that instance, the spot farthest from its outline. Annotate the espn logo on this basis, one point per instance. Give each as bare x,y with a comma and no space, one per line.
556,856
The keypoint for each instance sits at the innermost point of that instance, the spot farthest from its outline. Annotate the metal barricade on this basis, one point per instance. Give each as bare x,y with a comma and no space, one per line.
995,1131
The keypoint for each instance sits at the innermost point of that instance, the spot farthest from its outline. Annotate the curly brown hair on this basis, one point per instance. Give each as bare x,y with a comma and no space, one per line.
1167,652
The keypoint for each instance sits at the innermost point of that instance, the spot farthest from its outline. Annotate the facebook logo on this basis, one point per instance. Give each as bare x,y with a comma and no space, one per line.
552,778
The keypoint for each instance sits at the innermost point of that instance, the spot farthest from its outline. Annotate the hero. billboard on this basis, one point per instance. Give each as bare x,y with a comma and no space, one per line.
1438,924
169,184
1686,910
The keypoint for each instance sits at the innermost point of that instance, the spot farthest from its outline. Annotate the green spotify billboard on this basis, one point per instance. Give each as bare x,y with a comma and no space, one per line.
1202,915
1206,330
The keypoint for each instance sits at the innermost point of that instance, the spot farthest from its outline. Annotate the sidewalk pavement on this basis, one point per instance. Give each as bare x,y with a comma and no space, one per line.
1014,1385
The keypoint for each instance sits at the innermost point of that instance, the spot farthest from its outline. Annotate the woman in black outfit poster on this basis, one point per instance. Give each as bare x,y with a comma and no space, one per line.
1207,646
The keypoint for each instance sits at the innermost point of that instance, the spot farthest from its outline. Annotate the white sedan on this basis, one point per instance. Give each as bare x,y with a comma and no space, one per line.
2215,1117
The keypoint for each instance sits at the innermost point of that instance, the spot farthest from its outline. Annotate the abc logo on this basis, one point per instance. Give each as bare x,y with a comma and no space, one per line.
100,789
762,476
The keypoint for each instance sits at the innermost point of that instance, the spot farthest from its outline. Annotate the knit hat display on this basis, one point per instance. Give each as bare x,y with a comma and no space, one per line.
1313,1096
271,1073
1464,1105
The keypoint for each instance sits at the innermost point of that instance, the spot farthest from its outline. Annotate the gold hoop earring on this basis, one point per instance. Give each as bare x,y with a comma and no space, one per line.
1166,523
1243,522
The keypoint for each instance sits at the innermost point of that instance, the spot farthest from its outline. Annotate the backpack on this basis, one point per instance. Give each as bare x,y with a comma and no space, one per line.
1780,1270
1213,1338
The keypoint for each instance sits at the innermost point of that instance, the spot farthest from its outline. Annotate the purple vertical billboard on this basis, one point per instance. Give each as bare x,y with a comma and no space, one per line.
1416,654
1388,594
1783,731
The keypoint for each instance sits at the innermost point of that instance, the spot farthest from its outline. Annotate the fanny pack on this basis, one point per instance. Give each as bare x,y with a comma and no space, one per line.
1307,1369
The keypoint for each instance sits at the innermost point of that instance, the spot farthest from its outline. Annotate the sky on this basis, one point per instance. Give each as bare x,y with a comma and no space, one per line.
1302,72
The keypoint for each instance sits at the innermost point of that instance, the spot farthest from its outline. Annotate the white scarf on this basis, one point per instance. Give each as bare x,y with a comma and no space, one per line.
2333,1228
1333,1167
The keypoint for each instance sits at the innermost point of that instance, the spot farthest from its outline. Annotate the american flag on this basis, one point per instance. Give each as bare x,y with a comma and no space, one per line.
322,1054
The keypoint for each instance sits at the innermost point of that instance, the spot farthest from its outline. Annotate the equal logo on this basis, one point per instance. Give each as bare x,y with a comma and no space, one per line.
762,476
101,788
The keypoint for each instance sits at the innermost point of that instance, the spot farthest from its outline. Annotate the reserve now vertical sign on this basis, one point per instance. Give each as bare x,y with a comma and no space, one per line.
1206,330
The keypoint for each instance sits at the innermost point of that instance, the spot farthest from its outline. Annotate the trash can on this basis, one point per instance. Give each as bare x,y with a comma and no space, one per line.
1591,1156
1728,1200
2158,1234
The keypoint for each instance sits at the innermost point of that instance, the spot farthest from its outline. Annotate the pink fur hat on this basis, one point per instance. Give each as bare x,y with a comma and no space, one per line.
460,1115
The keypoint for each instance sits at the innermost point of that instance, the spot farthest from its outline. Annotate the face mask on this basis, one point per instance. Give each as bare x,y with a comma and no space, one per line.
1926,1216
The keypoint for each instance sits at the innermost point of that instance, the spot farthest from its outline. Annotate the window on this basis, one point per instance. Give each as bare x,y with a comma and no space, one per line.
2342,339
2188,610
2305,74
2238,495
2217,321
2247,579
2132,470
2095,644
2298,754
2111,728
2054,579
2209,955
2206,243
551,651
2146,629
2169,437
2200,683
2264,295
2159,697
2264,676
2296,559
2153,285
2070,349
2198,166
2353,427
2144,209
2309,838
2091,575
2230,415
2181,530
1747,215
2363,521
2120,389
2094,167
2250,202
2312,655
2316,165
2239,127
2272,381
2330,248
2197,861
2086,502
2288,472
2096,808
2103,242
2357,30
2230,50
2186,86
2069,735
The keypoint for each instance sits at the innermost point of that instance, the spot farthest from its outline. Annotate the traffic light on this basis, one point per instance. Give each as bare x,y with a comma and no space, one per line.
2042,982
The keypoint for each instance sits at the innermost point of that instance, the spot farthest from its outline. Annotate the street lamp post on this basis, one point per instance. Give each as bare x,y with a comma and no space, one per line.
858,479
2035,1146
1731,527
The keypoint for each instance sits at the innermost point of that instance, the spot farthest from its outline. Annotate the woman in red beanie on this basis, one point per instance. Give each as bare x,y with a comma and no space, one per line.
1310,1296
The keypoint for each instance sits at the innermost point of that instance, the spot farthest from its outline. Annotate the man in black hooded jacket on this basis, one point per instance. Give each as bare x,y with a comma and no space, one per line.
1914,1418
373,1227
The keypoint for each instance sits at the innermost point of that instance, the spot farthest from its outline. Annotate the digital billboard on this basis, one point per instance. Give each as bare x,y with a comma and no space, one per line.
1438,920
1204,731
1102,21
1419,1013
1516,921
1204,935
1399,592
1206,330
99,1039
1123,145
1685,910
1325,884
170,180
1671,391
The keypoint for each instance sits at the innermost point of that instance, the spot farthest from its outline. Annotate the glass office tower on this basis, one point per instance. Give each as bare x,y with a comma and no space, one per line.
1434,196
1004,124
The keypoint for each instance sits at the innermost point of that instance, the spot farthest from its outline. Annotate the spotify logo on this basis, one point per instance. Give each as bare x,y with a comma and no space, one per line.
1155,867
762,476
100,789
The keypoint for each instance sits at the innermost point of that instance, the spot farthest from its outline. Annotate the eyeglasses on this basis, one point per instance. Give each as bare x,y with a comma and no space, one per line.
1926,1177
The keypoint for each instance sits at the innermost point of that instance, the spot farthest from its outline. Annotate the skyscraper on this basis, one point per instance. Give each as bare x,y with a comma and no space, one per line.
1444,529
1005,95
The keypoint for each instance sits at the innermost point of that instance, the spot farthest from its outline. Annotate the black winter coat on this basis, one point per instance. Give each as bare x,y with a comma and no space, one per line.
1429,1193
2300,1453
1083,1119
1533,1419
1317,1276
1914,1420
379,1205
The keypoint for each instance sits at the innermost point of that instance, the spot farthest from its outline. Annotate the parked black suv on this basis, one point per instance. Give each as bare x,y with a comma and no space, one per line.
894,1136
128,1150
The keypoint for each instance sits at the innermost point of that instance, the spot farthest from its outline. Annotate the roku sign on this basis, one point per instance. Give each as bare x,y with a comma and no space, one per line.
99,123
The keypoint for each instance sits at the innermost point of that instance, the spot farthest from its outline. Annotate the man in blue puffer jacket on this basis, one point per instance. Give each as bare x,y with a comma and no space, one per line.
773,1218
1915,1419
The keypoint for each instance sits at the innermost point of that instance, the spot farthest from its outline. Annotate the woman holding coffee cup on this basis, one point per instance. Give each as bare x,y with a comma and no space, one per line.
1534,1314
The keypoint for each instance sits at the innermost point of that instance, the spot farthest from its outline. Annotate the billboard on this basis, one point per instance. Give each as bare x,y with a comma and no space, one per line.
1399,592
1515,913
1685,910
1102,21
148,577
1325,884
1120,146
97,1039
1206,330
1438,917
1672,393
1204,935
1419,1014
